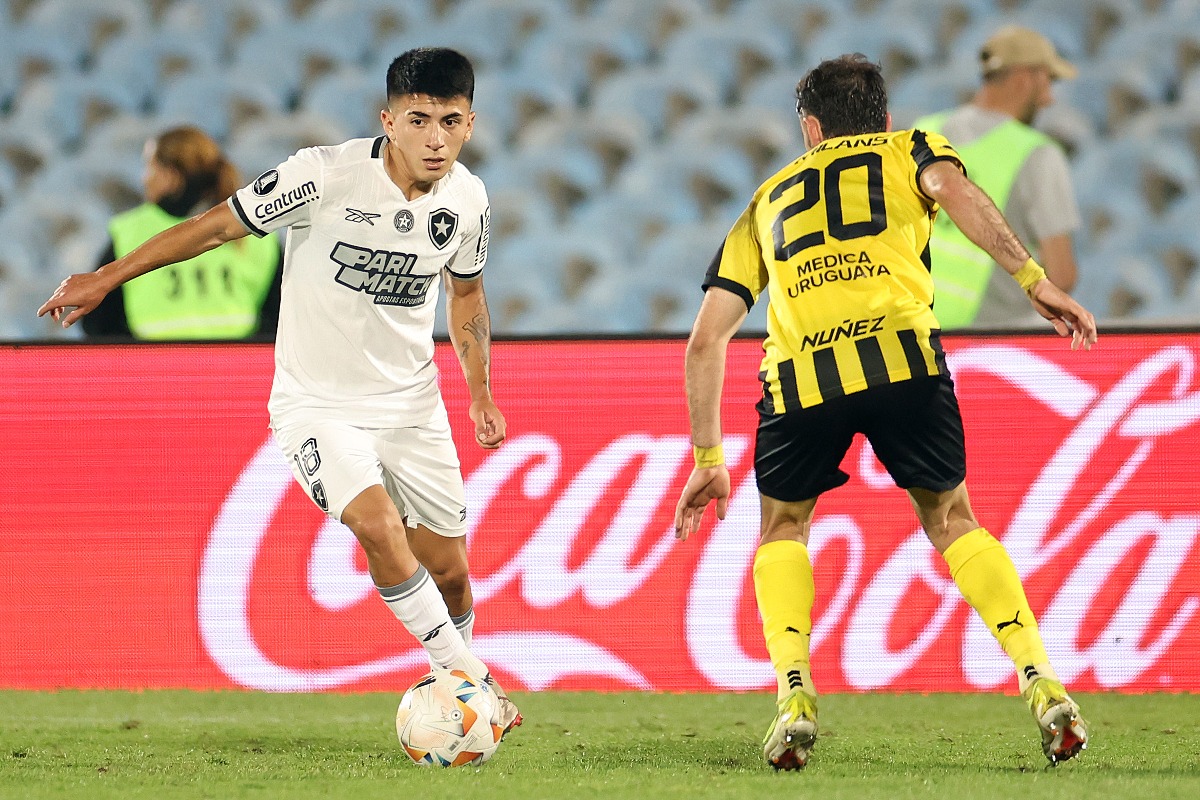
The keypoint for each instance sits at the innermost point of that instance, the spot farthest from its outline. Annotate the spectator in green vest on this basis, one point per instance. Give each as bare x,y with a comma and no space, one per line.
1022,169
231,292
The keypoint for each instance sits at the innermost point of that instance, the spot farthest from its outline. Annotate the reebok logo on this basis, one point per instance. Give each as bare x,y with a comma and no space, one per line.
1014,621
433,633
354,215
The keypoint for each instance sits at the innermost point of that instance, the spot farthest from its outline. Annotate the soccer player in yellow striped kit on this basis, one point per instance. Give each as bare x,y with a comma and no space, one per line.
839,239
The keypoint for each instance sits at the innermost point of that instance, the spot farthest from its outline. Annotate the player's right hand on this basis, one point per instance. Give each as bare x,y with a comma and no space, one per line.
703,486
76,296
1067,316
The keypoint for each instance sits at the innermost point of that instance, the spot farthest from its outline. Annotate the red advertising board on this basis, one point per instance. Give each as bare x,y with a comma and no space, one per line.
153,537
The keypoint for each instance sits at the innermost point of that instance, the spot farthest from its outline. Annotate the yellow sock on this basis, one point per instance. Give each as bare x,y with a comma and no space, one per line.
988,580
783,585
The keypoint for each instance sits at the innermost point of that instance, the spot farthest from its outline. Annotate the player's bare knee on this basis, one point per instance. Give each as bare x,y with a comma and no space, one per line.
449,574
379,535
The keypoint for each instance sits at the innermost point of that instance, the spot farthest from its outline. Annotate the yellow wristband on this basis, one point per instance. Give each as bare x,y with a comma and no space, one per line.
1029,275
708,456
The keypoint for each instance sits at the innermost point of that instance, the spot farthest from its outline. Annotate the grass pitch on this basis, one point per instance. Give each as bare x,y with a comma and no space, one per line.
98,745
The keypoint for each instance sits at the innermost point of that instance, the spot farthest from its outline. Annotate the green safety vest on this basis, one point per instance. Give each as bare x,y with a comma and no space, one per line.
216,295
961,270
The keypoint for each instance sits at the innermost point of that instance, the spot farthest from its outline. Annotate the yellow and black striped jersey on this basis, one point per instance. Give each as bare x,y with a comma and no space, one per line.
840,240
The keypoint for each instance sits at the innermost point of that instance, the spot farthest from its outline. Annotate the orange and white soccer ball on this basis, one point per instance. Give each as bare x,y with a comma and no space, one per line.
445,720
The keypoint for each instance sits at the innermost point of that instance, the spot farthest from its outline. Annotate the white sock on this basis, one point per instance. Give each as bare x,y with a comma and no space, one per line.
465,623
419,605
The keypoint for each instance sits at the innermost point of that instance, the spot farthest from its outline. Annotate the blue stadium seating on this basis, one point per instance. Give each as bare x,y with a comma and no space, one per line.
618,138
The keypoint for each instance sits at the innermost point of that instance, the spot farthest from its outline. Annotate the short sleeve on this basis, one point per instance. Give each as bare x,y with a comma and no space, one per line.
471,255
283,197
738,265
929,148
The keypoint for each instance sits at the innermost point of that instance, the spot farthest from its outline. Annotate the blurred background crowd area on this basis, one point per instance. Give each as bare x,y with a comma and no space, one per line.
619,139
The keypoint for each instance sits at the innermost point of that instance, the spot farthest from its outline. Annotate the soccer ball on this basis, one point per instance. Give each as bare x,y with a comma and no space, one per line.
445,720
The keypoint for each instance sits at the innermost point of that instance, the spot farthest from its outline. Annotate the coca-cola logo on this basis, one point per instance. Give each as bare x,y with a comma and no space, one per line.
1114,573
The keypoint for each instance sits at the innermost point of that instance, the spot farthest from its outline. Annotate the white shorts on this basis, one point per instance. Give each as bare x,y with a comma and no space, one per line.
418,467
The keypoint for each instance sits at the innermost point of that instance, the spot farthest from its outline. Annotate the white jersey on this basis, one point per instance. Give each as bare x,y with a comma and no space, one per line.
361,279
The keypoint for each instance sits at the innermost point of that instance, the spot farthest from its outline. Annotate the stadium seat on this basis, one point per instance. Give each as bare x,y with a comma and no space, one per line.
566,176
1094,21
629,222
360,27
19,258
799,20
1131,284
612,140
601,121
351,97
770,139
211,101
65,237
926,91
1067,125
261,144
64,33
63,107
660,99
900,46
492,32
507,100
774,89
1111,92
697,186
142,63
732,56
654,22
579,56
225,29
519,210
8,184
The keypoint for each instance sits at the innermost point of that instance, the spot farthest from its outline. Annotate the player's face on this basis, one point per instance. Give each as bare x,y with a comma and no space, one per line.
427,133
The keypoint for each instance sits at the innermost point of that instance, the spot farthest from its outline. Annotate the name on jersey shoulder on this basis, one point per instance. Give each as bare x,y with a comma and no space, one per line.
851,141
384,274
820,270
287,201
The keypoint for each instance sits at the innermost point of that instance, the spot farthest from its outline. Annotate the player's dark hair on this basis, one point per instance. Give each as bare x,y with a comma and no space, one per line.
436,71
847,94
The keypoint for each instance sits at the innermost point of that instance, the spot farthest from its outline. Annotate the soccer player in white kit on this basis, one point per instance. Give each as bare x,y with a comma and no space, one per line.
375,226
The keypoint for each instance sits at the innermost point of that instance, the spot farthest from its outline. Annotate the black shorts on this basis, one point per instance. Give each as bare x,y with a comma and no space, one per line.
914,426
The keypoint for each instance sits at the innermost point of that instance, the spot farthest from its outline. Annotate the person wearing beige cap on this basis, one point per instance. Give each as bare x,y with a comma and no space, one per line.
1022,169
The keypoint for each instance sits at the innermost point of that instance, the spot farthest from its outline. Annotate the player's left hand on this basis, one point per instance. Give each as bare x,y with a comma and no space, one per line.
76,296
490,427
1067,316
703,486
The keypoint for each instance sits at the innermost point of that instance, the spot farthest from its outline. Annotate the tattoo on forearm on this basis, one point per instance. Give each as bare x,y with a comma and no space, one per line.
478,327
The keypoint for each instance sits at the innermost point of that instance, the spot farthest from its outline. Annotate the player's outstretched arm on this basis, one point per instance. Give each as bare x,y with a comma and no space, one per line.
721,314
978,218
470,328
81,293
